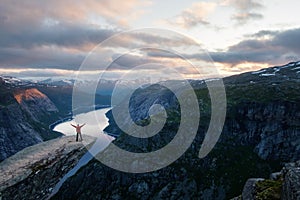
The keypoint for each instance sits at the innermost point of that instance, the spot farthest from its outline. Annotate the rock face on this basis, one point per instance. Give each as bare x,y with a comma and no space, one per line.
273,128
16,132
215,177
261,131
140,103
291,184
35,103
281,185
24,118
33,172
249,188
27,109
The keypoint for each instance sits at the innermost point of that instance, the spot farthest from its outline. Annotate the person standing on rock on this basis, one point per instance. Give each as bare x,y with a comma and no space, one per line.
78,131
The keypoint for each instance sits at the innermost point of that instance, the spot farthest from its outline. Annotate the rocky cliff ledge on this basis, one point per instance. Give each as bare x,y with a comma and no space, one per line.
281,185
291,184
33,172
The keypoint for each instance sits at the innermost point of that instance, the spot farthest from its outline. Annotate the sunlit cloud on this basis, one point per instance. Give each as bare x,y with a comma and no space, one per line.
70,11
42,38
194,15
31,72
263,34
228,69
245,10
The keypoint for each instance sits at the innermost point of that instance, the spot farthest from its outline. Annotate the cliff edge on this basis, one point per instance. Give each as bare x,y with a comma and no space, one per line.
33,172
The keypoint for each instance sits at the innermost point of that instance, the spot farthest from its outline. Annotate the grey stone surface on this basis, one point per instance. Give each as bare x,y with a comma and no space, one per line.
24,114
33,172
291,181
249,188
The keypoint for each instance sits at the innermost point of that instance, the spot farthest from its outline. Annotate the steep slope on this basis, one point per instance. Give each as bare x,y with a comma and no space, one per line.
61,96
265,106
24,117
261,132
27,109
280,185
37,104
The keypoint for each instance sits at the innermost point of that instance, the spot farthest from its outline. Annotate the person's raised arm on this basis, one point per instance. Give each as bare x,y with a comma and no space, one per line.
82,125
73,125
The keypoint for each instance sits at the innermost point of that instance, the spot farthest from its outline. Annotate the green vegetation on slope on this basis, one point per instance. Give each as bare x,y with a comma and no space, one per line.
268,189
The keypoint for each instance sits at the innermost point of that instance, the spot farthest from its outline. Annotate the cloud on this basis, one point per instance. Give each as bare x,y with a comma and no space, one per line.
161,38
67,46
195,15
246,10
288,39
243,4
70,11
41,57
65,35
279,49
64,23
130,61
242,18
37,73
263,33
59,34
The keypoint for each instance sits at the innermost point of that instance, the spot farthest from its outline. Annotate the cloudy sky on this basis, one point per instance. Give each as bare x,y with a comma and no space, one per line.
53,38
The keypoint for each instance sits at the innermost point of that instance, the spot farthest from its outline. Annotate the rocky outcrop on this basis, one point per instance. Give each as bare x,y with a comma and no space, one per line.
291,181
33,172
24,118
35,103
249,188
268,124
140,103
16,132
27,111
281,185
272,128
261,132
220,175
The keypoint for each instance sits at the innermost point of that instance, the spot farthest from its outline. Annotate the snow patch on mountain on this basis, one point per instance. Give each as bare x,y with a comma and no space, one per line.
296,68
260,71
267,74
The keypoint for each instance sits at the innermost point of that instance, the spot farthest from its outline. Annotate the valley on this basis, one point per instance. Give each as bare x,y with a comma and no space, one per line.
260,136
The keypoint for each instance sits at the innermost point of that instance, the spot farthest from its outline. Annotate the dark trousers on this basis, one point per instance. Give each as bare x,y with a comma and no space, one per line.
77,137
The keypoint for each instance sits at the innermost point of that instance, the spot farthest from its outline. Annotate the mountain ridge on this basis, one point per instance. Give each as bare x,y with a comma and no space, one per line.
23,121
260,135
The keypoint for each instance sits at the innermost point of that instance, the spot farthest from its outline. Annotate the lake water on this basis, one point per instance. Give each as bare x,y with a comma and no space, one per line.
95,121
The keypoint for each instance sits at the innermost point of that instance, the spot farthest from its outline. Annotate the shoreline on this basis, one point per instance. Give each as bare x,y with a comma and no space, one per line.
71,117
